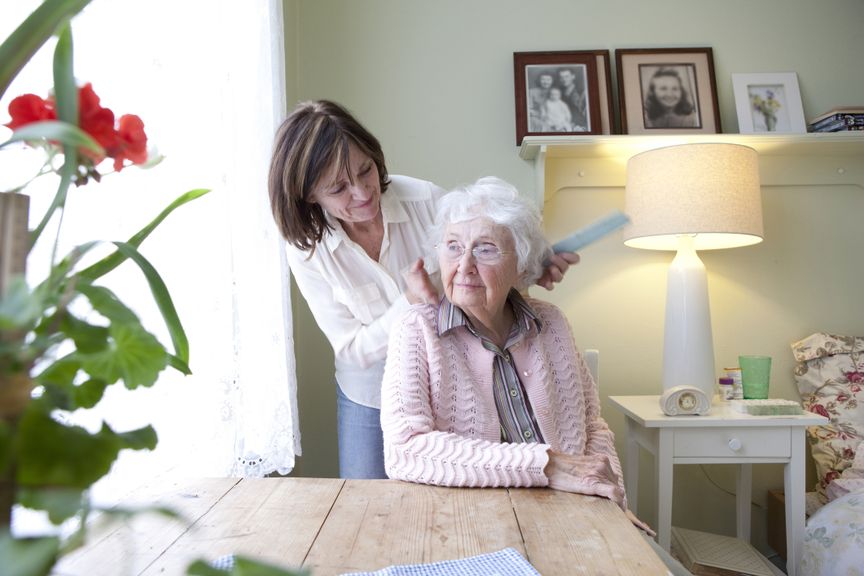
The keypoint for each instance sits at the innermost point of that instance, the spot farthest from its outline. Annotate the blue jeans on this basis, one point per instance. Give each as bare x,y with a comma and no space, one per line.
361,442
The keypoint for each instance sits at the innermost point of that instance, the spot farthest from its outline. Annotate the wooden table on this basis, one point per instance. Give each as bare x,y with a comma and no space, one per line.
334,526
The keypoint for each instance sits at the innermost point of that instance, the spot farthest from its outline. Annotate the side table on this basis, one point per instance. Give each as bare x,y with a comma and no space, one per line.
722,436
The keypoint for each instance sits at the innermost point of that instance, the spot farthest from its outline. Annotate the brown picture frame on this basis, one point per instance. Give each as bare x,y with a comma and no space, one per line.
584,80
667,91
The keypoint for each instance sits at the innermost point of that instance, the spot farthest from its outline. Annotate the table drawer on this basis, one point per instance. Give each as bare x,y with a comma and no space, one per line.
732,442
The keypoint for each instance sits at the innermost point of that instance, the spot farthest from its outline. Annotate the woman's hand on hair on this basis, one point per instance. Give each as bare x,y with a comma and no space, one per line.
590,475
558,265
418,287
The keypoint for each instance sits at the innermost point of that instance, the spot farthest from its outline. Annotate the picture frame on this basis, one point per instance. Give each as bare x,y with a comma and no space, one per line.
667,91
768,103
582,79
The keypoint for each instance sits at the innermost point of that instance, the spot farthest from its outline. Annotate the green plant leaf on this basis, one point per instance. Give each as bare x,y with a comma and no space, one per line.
27,557
179,365
122,513
58,289
106,303
61,391
89,393
202,568
61,372
134,356
55,130
31,34
66,96
141,439
19,308
66,174
87,337
65,90
53,454
58,382
111,261
163,300
60,503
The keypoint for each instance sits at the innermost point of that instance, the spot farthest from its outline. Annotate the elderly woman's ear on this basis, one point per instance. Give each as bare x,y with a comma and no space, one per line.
418,286
558,265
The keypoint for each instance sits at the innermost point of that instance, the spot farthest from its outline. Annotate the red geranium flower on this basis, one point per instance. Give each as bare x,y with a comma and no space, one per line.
131,142
29,108
126,141
97,121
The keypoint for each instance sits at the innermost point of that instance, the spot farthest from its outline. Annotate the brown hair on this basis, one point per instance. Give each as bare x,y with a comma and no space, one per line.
311,140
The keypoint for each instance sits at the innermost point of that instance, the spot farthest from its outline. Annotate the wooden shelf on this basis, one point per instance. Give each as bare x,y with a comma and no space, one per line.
824,159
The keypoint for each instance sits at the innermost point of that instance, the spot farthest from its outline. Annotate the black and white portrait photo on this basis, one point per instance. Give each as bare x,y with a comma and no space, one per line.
669,96
667,91
557,98
564,93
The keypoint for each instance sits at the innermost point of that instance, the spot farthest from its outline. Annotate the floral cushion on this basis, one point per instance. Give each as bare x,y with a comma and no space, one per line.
830,379
834,538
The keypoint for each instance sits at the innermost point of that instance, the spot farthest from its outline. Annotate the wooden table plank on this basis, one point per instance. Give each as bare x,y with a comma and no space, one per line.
335,526
274,520
378,523
571,534
128,547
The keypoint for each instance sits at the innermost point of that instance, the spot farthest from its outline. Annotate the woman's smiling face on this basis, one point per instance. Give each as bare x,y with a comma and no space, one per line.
667,89
357,202
478,288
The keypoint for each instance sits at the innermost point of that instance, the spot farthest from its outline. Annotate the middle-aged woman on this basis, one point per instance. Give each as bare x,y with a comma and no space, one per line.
487,388
355,253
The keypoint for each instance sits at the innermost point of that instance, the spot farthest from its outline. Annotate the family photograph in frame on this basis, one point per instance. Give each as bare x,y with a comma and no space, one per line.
768,103
562,93
667,91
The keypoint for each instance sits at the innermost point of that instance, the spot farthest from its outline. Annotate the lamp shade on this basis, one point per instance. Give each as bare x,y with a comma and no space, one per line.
707,191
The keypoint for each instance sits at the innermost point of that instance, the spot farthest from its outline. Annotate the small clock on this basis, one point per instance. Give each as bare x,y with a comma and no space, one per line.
682,400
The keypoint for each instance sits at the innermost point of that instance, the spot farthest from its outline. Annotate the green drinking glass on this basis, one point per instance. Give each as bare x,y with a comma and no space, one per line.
755,376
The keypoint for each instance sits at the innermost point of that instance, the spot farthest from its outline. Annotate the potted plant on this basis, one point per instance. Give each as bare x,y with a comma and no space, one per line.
66,357
53,358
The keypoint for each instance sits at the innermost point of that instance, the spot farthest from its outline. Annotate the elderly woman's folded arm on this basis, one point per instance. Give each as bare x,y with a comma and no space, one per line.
415,451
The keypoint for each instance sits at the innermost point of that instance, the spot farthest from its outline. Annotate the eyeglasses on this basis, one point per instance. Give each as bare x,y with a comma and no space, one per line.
483,253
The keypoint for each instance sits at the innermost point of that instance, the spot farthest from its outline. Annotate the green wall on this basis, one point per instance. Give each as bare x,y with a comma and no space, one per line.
434,81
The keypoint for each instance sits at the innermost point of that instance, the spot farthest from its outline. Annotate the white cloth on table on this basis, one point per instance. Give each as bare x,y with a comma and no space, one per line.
505,562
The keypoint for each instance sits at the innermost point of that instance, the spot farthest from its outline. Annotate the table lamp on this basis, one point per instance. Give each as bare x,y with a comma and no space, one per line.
687,198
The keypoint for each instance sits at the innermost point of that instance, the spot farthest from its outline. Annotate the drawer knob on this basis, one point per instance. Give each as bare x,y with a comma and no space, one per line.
735,444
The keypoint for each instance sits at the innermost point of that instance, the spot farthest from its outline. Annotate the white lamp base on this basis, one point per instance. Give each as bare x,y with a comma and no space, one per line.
688,349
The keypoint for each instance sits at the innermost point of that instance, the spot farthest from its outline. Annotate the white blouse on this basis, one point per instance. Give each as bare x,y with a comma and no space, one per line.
355,299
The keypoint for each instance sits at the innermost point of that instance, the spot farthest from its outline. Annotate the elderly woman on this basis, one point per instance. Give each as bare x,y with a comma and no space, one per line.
487,388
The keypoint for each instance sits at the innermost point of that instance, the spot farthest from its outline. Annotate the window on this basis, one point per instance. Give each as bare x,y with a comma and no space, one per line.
206,77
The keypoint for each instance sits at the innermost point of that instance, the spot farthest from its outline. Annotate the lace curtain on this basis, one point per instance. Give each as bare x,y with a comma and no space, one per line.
206,76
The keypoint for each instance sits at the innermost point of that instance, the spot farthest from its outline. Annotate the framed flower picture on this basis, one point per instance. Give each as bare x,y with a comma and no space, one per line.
562,93
768,103
667,91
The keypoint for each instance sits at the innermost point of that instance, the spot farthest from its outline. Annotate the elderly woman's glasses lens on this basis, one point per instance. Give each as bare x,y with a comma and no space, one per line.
483,253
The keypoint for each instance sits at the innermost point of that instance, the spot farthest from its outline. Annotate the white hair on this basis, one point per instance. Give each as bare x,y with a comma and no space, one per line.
500,202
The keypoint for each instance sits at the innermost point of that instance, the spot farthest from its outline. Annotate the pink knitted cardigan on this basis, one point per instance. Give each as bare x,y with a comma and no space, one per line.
438,412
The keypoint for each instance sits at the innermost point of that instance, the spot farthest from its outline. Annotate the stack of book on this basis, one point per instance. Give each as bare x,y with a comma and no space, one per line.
838,120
